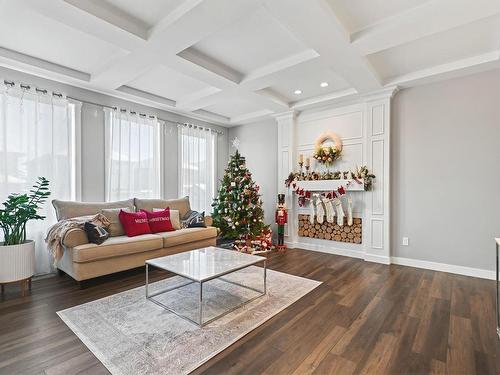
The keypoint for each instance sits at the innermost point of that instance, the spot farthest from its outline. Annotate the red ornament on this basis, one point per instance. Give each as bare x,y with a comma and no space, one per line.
341,190
308,194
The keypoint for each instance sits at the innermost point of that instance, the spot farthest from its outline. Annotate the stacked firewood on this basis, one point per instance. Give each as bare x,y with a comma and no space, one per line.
331,231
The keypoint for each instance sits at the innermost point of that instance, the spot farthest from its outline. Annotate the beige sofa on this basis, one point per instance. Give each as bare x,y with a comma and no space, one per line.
83,260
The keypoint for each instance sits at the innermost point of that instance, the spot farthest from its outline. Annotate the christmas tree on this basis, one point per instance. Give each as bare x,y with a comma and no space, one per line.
238,209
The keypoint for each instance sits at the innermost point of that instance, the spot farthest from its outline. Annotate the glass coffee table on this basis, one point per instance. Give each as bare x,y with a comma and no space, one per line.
200,266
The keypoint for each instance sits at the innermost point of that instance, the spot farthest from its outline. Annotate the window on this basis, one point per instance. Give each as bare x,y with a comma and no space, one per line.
197,172
132,156
38,137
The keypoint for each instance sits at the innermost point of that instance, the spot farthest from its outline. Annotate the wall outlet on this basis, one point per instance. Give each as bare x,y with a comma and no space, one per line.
406,241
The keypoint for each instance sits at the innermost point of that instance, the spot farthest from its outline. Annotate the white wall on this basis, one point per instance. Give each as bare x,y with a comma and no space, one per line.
446,171
93,134
258,146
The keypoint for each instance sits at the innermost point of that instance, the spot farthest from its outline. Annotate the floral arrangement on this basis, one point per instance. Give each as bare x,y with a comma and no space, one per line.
327,155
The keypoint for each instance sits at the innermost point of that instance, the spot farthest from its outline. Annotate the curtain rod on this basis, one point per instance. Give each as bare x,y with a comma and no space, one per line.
59,95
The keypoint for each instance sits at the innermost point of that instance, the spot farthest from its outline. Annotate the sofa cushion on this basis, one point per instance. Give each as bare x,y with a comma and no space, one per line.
68,209
116,246
75,237
182,204
187,235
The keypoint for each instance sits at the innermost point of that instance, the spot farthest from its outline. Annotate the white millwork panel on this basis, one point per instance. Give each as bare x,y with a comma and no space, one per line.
377,213
364,127
287,155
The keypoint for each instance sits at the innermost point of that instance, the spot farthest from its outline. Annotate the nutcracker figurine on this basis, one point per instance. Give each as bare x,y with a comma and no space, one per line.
281,218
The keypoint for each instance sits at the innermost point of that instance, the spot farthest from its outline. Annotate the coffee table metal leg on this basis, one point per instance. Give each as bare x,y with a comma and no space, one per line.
147,280
496,296
265,278
201,304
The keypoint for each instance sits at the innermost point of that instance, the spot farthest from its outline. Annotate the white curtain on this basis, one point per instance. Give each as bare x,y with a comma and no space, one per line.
38,137
197,171
132,156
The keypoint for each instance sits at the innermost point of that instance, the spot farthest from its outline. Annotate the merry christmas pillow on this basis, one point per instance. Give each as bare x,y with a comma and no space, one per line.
159,221
134,223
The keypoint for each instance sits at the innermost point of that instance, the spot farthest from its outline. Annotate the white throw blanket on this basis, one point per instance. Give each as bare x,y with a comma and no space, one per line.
56,233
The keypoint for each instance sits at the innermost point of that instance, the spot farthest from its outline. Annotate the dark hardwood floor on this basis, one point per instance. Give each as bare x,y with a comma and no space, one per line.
365,318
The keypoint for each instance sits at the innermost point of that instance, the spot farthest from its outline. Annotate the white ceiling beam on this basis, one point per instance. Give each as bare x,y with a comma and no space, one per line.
79,19
198,95
280,65
199,22
250,117
147,95
314,23
325,99
454,69
226,87
427,19
217,67
14,60
113,15
210,116
173,16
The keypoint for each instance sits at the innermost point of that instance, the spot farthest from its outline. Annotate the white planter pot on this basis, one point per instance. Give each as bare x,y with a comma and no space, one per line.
17,262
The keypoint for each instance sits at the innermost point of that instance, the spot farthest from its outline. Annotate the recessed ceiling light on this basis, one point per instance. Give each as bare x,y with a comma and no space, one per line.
324,84
298,92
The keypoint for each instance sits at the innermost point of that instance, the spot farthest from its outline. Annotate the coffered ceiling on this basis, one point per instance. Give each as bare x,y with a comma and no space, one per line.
238,61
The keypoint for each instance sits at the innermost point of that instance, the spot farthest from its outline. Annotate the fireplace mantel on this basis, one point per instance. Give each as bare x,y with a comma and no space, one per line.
331,185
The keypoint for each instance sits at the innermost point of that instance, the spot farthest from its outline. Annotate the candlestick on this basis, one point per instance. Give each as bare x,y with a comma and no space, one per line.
301,158
308,162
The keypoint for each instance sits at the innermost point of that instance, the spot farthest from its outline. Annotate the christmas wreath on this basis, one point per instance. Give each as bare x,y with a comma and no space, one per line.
328,154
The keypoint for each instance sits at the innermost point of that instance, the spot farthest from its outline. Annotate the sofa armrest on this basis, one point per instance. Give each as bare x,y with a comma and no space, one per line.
75,237
208,221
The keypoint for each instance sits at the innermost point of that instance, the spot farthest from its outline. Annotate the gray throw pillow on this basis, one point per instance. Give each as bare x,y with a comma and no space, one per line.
115,228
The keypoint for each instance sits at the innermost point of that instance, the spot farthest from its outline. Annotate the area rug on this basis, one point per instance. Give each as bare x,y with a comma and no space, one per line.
132,335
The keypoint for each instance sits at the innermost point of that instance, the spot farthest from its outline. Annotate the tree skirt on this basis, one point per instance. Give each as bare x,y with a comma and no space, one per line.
131,335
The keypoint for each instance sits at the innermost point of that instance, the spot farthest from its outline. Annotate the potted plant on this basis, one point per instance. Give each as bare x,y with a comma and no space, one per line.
17,255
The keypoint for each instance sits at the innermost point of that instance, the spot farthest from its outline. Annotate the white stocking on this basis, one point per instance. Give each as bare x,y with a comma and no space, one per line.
320,211
349,210
311,208
330,213
340,211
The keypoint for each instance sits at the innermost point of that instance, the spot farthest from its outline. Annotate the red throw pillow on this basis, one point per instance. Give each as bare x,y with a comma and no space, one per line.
159,221
134,223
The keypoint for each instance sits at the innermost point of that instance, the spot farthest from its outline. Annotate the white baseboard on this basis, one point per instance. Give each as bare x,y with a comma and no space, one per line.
327,249
377,258
443,267
417,263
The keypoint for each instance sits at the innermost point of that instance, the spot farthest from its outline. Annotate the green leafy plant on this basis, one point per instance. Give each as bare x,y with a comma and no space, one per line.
21,208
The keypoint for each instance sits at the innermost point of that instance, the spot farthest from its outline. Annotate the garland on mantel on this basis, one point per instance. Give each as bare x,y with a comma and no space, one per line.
354,177
307,194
